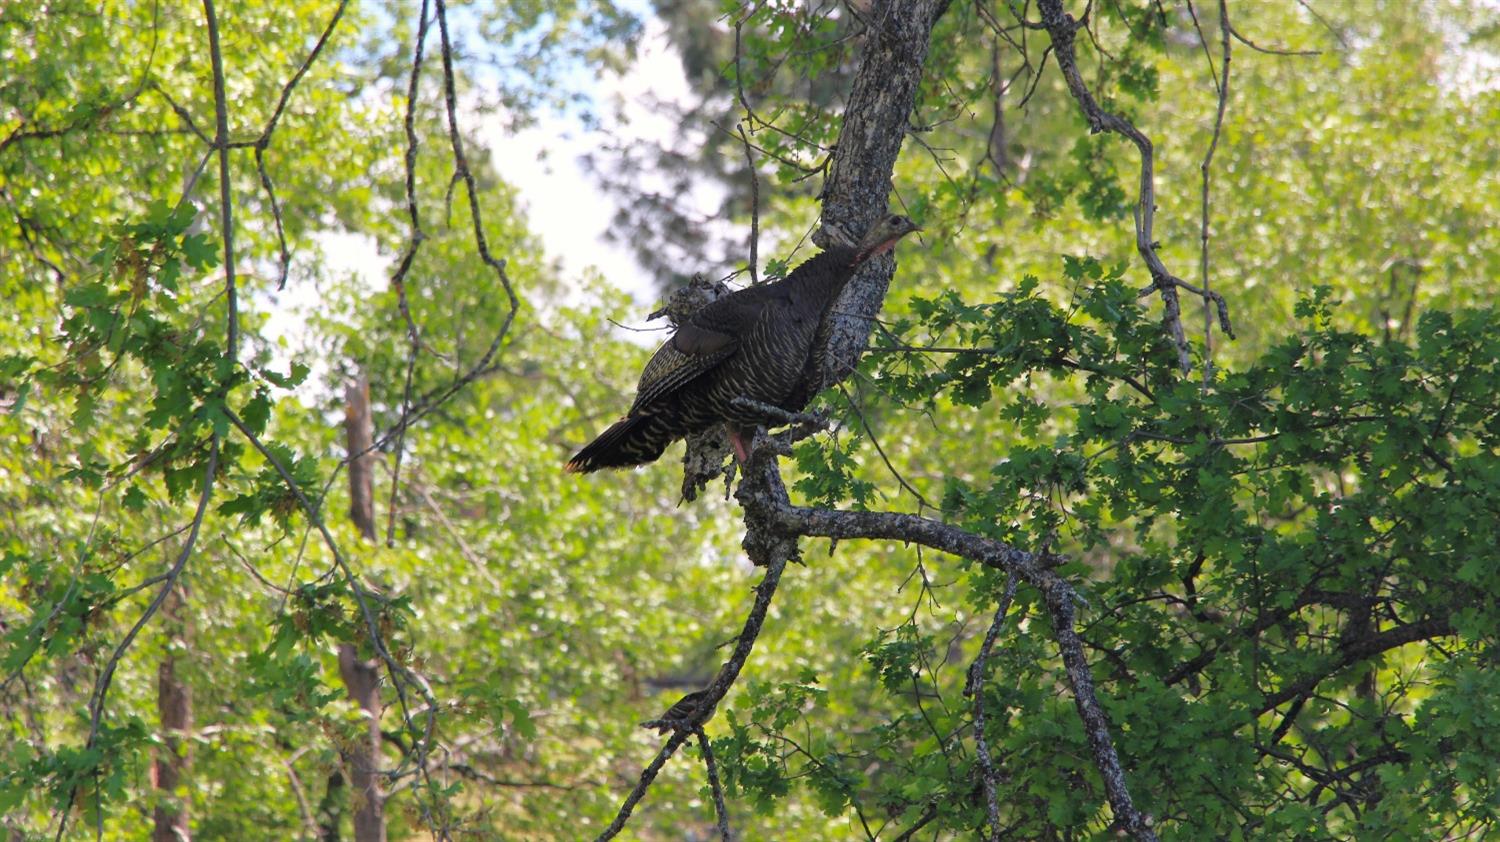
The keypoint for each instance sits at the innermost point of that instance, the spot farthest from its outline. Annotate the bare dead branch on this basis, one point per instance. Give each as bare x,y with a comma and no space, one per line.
754,207
974,688
721,812
1063,29
410,413
1205,169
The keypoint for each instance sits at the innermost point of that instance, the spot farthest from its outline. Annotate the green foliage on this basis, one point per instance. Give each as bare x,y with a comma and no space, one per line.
1290,566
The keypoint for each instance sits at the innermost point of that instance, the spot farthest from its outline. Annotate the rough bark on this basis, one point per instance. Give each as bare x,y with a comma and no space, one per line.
362,676
875,125
859,178
174,705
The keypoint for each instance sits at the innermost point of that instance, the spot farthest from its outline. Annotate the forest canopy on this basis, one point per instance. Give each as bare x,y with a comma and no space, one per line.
1151,489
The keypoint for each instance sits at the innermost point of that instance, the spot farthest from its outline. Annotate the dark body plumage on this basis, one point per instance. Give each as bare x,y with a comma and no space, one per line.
756,343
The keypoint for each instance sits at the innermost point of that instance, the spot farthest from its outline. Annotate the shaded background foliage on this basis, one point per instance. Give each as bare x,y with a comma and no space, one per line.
1290,572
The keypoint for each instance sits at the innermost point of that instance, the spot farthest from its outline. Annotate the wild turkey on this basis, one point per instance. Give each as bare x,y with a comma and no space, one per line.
756,343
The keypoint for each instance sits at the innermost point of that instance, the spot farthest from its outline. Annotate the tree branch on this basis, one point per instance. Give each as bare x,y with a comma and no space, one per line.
1063,29
1032,568
1205,168
647,776
721,812
226,209
974,688
1354,650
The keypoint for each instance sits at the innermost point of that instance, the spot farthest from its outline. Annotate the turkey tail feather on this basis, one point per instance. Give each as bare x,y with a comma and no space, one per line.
634,440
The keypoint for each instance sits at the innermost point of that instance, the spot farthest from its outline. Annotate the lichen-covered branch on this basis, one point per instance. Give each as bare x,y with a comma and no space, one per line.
1033,568
721,812
855,194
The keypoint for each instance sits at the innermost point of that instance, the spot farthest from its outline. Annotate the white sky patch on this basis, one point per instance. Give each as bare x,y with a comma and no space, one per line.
562,203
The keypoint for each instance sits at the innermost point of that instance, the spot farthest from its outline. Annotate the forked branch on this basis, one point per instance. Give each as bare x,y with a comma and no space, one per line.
857,190
1064,28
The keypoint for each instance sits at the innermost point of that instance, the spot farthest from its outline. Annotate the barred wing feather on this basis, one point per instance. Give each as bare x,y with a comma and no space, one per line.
692,351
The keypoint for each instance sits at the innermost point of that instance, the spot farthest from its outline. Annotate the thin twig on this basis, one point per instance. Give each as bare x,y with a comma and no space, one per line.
1332,30
1275,51
1213,73
226,210
402,676
721,812
1205,168
754,208
870,434
974,688
264,141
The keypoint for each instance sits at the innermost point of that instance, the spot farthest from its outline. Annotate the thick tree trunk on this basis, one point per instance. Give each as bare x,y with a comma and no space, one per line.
859,179
362,677
174,705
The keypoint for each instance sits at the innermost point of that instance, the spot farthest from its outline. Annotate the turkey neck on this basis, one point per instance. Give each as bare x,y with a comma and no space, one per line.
819,281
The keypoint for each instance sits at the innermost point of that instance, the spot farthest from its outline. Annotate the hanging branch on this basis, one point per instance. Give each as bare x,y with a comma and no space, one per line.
974,688
1208,159
411,412
721,812
226,207
1063,29
398,280
263,142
